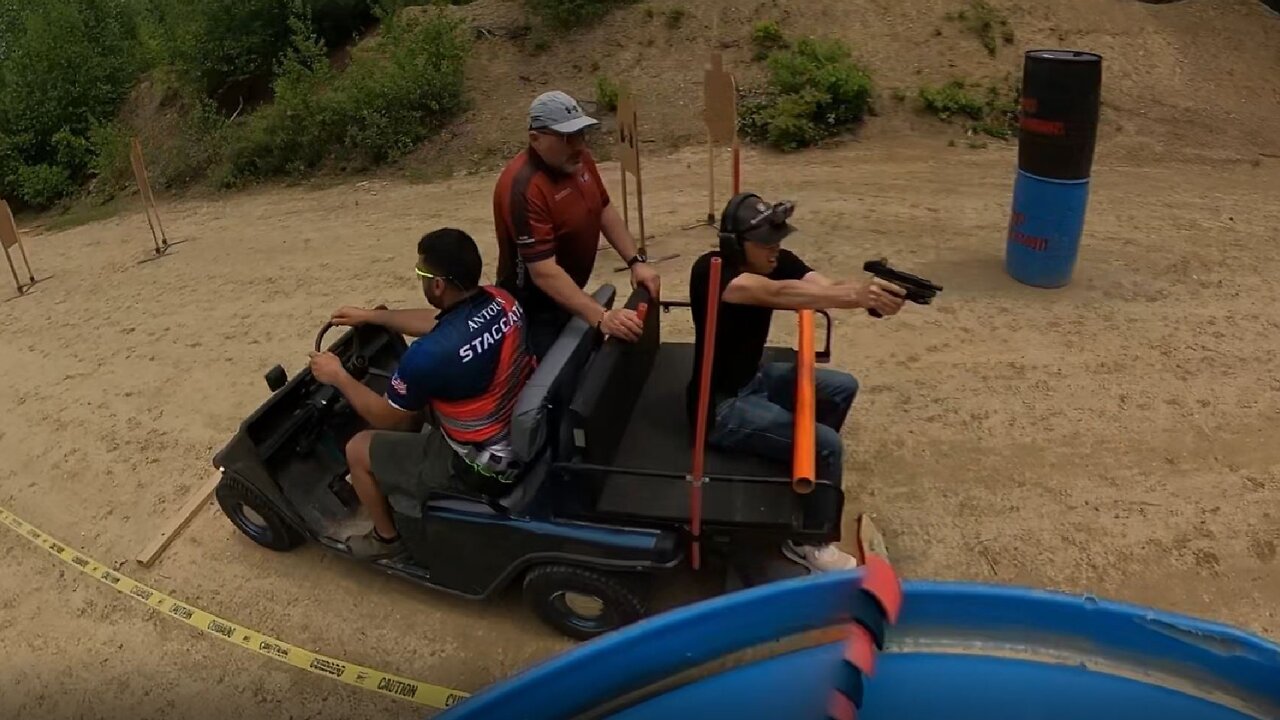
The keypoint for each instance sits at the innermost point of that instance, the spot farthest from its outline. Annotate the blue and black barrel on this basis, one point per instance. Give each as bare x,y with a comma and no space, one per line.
1057,132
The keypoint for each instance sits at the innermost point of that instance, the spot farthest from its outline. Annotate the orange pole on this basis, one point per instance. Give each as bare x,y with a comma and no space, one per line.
704,402
804,457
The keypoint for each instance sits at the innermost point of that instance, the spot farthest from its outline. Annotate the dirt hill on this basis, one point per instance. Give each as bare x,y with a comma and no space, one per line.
1189,78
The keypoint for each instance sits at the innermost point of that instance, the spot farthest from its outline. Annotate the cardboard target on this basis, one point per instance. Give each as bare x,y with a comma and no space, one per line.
720,108
629,153
720,114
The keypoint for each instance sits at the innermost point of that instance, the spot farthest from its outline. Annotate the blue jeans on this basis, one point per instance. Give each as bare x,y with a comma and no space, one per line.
761,419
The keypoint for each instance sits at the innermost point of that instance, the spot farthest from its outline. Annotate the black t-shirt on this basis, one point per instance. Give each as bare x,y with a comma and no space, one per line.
741,330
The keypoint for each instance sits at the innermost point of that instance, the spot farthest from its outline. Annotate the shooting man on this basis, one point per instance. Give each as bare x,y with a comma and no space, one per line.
752,405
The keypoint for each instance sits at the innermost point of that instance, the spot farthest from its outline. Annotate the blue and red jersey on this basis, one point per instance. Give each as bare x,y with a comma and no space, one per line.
469,370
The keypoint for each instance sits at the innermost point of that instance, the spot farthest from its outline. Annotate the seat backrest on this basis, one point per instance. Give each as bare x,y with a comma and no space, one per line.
611,385
551,385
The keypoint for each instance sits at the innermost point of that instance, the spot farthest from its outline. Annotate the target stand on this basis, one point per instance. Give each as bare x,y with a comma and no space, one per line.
160,240
720,114
9,237
629,151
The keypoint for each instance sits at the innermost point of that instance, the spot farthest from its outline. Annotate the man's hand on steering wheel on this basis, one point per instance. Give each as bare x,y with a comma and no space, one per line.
351,316
327,368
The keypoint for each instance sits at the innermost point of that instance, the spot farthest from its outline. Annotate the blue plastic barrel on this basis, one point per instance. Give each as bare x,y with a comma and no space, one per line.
1044,229
959,651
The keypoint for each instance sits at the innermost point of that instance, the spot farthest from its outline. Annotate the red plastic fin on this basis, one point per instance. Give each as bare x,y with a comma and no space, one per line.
882,582
860,650
840,707
641,310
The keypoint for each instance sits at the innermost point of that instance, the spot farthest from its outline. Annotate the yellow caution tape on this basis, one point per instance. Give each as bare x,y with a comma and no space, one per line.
384,683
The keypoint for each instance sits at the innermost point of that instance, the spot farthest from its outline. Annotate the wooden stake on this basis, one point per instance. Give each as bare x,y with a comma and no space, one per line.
178,522
8,238
711,171
16,282
31,277
640,204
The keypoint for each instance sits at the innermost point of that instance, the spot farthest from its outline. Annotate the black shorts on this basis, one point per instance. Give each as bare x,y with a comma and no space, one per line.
410,465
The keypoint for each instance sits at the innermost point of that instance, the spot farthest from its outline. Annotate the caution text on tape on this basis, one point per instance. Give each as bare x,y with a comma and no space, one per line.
350,673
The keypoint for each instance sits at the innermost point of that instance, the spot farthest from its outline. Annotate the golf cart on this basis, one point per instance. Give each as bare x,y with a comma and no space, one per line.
603,501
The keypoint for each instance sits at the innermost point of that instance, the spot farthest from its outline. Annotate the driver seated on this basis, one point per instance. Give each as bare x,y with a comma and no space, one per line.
466,368
752,404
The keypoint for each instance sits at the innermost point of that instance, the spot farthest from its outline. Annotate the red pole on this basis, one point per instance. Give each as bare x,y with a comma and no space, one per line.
704,401
737,167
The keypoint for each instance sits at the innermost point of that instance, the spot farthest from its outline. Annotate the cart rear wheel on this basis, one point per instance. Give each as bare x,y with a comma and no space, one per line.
580,602
255,516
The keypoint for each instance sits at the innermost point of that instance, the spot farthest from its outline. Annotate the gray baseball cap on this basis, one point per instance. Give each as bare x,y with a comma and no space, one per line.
558,112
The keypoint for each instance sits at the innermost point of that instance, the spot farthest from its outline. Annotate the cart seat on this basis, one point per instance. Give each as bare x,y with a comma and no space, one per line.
534,422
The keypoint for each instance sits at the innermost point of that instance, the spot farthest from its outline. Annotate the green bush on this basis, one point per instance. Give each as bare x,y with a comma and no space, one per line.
65,67
390,98
43,185
815,91
607,92
675,16
990,110
231,48
226,48
570,14
766,36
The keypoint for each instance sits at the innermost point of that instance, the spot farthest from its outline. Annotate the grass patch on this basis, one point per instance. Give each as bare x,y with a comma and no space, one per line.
675,16
86,211
985,22
766,36
607,92
990,109
815,91
571,14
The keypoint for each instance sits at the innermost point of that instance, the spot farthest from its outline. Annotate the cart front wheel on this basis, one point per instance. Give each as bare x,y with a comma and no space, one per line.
255,516
580,602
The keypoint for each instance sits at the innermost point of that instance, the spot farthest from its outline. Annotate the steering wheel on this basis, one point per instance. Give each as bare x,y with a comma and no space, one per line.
358,363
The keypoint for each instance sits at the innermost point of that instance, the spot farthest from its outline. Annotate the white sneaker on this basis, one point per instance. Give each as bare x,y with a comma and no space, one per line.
819,558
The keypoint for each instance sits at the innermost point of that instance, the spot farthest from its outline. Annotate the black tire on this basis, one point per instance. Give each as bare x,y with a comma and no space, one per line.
550,590
269,528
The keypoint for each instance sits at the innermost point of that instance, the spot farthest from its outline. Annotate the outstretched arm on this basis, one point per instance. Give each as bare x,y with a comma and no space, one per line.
751,289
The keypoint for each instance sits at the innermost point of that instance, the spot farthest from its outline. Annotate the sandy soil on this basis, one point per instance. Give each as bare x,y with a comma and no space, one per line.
1115,437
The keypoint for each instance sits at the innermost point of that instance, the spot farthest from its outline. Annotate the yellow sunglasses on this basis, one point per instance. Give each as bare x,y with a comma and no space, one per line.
429,276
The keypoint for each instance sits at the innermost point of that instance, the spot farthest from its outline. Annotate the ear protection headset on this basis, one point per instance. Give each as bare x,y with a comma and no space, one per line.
730,234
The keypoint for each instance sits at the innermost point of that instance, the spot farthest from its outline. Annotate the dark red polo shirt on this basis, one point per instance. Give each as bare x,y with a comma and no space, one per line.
540,213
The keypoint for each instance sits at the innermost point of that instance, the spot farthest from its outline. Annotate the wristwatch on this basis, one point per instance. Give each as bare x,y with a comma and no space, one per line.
637,258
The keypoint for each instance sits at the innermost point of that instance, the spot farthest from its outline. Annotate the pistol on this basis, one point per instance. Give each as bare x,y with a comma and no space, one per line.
919,290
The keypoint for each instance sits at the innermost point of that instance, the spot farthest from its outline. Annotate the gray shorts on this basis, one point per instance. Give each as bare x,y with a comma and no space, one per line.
410,465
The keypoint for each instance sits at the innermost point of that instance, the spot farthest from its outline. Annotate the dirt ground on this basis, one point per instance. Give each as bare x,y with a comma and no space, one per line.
1116,437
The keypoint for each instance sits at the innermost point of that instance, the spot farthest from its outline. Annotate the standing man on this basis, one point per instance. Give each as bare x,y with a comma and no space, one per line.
549,209
752,408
